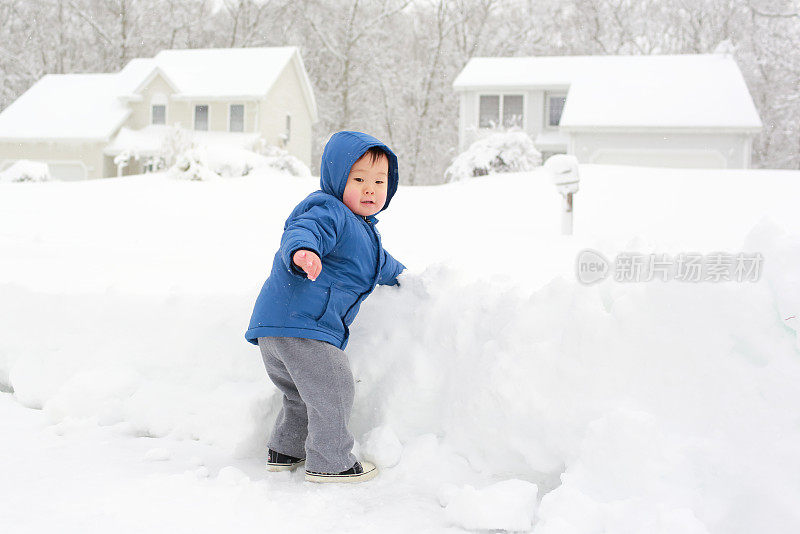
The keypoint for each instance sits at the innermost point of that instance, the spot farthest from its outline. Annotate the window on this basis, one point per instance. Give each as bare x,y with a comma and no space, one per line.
555,106
236,122
489,113
159,115
512,111
201,117
492,107
158,108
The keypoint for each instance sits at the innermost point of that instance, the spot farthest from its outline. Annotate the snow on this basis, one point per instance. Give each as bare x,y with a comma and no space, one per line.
491,371
215,162
150,139
677,91
215,72
551,140
202,155
65,106
506,505
24,170
498,152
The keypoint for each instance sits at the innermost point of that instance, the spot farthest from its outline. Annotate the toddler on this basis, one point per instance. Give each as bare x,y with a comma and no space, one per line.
330,259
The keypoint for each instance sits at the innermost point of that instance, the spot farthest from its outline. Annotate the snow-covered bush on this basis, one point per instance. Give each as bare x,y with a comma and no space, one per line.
281,160
26,171
174,144
217,161
189,159
192,164
510,151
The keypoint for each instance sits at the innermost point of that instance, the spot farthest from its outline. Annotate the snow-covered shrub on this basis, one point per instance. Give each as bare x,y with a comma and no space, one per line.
190,159
174,144
217,161
281,160
227,161
192,164
26,171
154,164
510,151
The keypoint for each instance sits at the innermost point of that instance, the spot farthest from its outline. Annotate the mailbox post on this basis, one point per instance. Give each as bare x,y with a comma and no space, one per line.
563,170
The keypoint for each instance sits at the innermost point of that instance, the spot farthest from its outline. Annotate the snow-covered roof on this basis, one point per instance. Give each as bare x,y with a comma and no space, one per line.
93,106
76,106
212,72
680,91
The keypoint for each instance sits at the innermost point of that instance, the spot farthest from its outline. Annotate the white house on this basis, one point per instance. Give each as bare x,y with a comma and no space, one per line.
667,110
78,123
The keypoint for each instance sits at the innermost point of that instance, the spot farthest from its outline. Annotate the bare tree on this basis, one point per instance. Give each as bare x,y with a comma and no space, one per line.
387,66
247,18
339,36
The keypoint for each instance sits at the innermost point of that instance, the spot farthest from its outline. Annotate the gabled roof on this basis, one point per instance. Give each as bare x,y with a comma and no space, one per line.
213,72
92,106
657,91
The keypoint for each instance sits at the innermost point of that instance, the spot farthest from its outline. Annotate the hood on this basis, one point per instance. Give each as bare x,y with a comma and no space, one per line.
342,150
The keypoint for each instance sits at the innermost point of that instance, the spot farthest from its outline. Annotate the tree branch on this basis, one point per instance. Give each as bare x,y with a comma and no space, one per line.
88,20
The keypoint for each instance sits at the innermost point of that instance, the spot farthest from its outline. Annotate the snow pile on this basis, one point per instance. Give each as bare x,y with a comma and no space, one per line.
650,404
509,151
26,171
615,407
382,446
506,505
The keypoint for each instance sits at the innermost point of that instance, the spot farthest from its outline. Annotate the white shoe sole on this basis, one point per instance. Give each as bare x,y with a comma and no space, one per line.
370,472
284,467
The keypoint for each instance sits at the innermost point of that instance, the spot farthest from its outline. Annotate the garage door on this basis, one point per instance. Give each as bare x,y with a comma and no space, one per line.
698,159
67,171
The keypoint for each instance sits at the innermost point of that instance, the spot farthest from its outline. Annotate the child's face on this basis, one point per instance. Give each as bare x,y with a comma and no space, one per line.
367,183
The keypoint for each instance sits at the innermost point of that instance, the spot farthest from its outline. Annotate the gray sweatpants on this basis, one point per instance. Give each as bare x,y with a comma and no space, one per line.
318,391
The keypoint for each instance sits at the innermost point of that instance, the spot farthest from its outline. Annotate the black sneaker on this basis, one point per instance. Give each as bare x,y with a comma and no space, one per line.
357,473
282,462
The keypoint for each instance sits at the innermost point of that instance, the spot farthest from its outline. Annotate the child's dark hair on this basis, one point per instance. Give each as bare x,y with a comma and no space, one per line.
375,154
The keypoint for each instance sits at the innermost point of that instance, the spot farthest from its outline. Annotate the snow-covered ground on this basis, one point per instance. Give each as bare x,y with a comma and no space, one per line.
494,390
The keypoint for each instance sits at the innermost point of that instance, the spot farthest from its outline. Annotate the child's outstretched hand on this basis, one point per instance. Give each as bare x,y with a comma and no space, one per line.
309,262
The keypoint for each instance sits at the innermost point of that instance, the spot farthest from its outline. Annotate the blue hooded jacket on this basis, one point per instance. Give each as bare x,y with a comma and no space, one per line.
349,245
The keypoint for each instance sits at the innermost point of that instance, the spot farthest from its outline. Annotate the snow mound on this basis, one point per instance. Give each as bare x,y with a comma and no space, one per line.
658,407
506,505
382,446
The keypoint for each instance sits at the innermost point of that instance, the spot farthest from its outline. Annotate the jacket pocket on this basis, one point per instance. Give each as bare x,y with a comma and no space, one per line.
310,302
340,301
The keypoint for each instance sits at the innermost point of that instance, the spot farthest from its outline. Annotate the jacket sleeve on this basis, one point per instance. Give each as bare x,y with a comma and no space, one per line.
316,229
389,270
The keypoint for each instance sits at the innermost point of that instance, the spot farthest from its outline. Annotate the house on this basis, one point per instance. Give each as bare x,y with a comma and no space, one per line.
79,123
658,110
